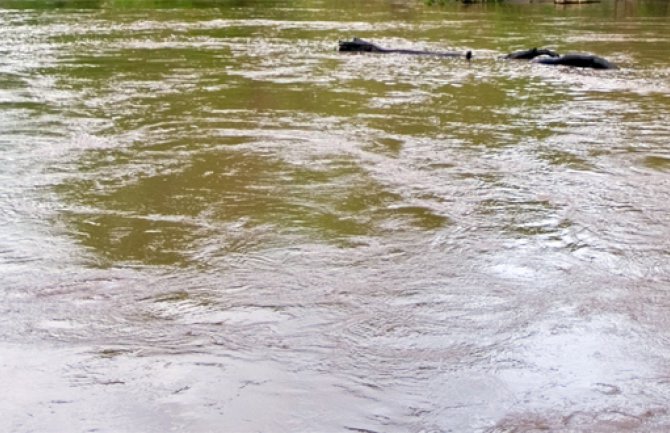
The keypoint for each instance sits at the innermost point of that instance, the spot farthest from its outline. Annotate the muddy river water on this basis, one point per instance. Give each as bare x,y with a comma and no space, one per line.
212,221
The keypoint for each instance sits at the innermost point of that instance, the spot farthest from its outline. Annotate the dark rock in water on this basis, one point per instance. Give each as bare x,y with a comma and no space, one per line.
361,46
578,61
531,54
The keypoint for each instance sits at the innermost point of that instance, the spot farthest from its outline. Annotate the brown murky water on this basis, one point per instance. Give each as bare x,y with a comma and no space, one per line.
214,222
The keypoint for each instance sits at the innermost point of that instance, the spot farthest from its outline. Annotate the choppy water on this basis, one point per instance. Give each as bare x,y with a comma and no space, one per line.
214,222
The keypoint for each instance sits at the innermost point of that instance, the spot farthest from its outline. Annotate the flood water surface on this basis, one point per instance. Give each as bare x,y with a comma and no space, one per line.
212,221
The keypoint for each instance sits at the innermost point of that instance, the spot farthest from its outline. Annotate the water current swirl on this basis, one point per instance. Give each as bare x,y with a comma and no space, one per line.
212,221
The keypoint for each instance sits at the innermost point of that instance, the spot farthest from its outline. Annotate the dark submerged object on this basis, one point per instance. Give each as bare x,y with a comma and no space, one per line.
360,46
578,61
531,54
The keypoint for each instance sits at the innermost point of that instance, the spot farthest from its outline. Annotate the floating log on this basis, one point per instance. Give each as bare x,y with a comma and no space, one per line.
575,2
360,46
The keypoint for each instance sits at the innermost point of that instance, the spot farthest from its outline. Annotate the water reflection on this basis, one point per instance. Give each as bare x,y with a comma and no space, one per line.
207,210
